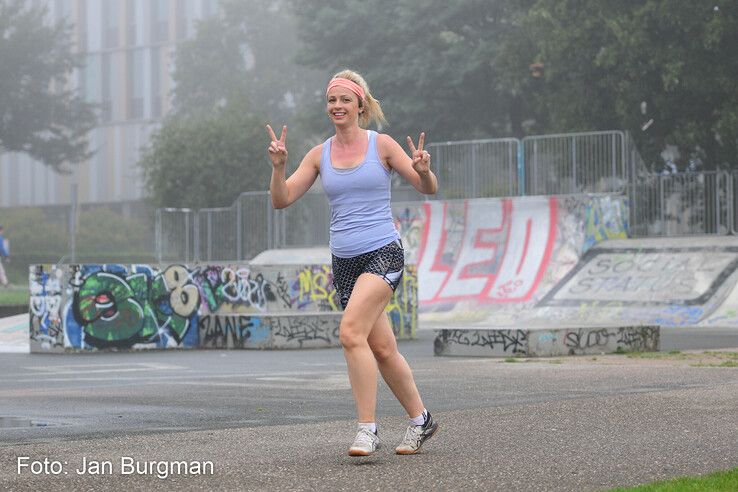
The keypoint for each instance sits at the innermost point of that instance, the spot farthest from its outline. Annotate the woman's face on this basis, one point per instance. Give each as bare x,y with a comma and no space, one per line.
343,106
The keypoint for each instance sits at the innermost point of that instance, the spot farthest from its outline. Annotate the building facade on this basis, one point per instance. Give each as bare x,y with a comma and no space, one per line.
128,48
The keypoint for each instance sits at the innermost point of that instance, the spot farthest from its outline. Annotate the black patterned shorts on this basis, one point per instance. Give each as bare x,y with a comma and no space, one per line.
388,262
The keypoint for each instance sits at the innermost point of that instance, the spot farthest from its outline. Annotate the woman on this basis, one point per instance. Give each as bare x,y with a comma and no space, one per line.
355,166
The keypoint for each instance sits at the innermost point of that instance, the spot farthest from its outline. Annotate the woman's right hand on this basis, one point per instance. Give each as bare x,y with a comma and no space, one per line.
277,148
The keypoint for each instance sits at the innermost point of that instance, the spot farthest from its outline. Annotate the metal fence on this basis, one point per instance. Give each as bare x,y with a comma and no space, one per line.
593,162
476,168
176,230
733,202
683,204
88,232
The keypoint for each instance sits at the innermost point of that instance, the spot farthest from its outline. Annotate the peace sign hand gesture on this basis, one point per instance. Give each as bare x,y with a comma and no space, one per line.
277,149
421,158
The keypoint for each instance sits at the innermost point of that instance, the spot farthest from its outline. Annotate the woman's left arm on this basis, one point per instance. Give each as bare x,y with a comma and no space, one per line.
415,169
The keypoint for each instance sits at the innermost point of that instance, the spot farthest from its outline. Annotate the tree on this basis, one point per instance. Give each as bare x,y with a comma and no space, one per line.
663,69
234,76
432,63
207,160
39,113
245,52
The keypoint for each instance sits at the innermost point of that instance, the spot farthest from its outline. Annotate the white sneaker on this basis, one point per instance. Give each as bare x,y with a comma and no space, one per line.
416,435
365,444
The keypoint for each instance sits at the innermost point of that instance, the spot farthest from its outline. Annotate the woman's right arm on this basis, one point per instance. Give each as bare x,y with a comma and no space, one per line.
285,191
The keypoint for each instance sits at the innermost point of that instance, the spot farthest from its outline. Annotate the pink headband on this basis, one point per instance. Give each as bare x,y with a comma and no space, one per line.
347,84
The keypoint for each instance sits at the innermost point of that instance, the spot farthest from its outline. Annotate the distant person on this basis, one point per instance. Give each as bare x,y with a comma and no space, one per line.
355,166
4,254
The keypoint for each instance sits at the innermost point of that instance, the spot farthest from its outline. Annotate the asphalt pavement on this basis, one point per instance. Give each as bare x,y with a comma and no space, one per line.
283,420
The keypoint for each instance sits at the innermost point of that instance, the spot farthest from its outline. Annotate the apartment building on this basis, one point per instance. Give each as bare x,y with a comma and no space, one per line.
128,48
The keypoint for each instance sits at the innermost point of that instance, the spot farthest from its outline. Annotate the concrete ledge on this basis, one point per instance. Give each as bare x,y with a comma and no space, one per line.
269,331
547,343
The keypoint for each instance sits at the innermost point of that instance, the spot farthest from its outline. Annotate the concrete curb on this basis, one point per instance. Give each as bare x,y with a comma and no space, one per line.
546,343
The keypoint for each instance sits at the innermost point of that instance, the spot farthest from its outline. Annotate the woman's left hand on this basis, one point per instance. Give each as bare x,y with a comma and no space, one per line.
421,158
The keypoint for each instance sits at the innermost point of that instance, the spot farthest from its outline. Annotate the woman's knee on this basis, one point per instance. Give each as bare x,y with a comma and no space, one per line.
351,334
383,351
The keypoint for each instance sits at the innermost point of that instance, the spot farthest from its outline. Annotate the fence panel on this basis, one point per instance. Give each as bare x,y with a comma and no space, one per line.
592,162
256,219
306,223
175,234
733,202
218,233
476,168
681,204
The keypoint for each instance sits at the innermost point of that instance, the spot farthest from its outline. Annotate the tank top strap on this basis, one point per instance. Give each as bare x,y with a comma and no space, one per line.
372,153
325,154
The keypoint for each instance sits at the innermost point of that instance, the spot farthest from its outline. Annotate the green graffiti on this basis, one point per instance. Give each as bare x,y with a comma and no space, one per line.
114,309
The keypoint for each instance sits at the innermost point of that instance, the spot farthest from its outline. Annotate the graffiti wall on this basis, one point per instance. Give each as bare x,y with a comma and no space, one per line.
670,282
547,343
88,307
475,257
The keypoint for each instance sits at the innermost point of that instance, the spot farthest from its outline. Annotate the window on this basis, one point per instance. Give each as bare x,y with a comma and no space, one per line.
135,84
106,108
109,25
82,26
131,29
155,83
159,21
181,15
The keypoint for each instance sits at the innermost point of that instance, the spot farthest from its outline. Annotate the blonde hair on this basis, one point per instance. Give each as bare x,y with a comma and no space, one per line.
372,109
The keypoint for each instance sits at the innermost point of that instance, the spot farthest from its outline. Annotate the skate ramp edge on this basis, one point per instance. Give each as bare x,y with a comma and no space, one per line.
14,334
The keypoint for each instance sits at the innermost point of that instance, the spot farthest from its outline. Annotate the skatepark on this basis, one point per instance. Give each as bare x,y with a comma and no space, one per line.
518,318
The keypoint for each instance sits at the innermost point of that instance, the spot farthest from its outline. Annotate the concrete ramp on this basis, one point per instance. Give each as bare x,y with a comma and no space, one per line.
14,334
665,281
499,257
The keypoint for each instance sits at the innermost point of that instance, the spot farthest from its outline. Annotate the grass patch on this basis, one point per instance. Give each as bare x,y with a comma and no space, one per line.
674,354
727,363
511,359
12,296
725,481
722,355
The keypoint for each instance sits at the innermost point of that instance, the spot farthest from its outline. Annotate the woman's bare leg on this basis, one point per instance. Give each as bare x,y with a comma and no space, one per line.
368,300
394,368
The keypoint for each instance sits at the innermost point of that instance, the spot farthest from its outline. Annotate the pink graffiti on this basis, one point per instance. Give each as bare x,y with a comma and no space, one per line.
494,251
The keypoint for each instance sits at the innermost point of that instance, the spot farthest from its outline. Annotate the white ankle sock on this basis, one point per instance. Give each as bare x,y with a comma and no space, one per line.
370,426
420,419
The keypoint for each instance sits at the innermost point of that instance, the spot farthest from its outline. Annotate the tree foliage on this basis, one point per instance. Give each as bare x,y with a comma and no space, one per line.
432,63
619,65
246,52
235,75
208,160
494,68
39,113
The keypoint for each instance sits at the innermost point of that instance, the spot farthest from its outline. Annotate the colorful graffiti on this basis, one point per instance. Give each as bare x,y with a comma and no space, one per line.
605,218
112,306
240,289
45,307
269,331
486,251
140,306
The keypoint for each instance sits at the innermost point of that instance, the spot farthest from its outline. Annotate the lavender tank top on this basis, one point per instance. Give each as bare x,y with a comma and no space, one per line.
361,217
